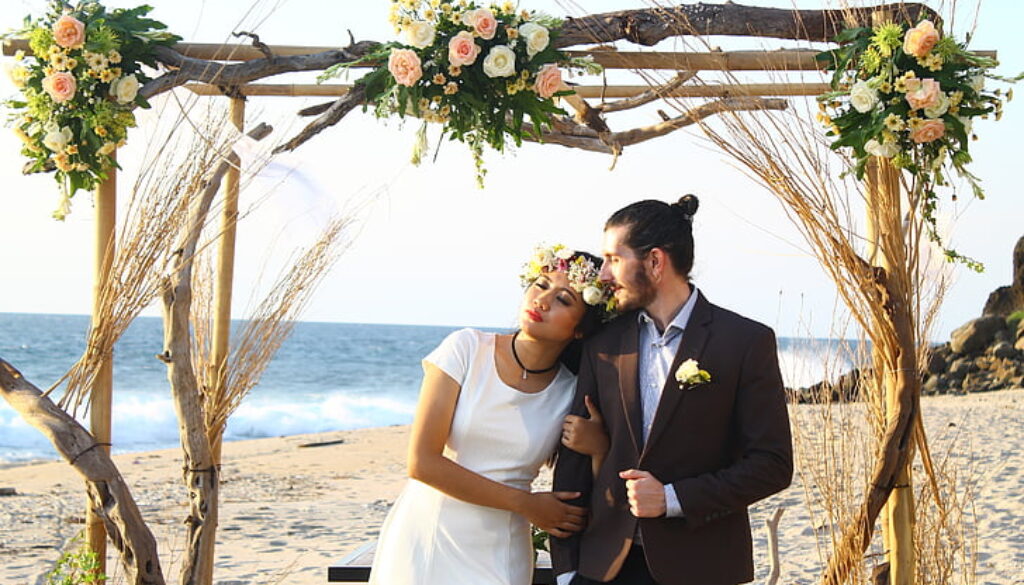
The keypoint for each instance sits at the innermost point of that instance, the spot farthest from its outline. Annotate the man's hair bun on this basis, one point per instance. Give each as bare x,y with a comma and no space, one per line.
688,205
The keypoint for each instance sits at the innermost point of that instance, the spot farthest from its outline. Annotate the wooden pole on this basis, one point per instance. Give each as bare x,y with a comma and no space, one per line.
101,396
897,517
216,378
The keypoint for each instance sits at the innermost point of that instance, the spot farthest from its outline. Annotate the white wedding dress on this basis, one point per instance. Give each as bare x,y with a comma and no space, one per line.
430,538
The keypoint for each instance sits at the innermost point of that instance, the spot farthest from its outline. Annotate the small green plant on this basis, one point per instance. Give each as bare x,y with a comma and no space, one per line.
540,541
79,565
1013,320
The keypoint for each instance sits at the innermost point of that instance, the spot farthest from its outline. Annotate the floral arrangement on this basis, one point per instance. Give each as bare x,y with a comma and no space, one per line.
689,375
79,88
910,95
478,70
584,275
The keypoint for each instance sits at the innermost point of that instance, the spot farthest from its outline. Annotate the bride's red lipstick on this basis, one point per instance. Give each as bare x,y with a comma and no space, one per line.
534,316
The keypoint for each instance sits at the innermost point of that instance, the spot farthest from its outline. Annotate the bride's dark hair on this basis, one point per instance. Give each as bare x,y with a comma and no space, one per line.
655,224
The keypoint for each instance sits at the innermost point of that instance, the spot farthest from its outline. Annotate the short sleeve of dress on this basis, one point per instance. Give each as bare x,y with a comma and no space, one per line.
454,354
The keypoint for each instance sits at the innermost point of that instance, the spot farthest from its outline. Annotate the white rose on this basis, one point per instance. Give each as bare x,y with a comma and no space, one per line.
124,89
544,258
420,34
563,253
500,62
863,97
687,370
939,109
57,140
882,149
536,37
592,295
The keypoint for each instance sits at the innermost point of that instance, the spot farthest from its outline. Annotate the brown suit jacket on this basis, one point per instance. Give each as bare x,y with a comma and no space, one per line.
722,445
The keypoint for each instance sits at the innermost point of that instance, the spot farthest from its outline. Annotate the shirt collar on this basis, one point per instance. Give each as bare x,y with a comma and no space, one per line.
681,318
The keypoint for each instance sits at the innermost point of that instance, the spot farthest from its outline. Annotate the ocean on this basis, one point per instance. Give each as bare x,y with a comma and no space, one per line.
326,377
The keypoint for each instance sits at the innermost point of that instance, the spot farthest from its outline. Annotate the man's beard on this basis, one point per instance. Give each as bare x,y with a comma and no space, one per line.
641,291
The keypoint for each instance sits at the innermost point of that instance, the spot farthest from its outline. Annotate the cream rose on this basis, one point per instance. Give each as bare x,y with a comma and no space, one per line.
920,40
69,32
125,89
927,131
57,140
863,97
107,148
549,81
500,62
922,93
939,109
592,295
404,65
462,49
420,34
536,37
60,85
483,22
882,149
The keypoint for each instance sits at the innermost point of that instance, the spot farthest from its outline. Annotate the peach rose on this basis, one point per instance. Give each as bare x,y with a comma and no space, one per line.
462,49
927,131
60,85
483,22
549,81
920,40
404,64
923,93
69,32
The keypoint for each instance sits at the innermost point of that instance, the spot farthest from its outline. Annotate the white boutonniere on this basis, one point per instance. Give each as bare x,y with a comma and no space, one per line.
689,375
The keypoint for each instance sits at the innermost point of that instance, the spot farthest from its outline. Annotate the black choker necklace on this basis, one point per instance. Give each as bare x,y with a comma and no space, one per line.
525,369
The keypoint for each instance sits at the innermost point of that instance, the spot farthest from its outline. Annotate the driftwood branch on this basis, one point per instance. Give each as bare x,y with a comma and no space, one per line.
650,26
200,471
772,526
331,116
654,94
108,494
573,135
185,69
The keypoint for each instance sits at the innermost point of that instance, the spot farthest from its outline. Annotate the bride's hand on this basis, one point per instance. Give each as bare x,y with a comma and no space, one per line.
548,511
586,435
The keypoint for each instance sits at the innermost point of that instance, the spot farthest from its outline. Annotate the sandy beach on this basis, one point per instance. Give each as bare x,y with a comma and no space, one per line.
288,512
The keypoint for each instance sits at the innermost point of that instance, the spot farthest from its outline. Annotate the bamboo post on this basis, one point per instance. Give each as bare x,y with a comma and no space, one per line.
898,514
222,305
101,396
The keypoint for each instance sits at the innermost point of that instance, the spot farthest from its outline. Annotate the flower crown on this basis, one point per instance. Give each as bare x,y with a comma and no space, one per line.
583,274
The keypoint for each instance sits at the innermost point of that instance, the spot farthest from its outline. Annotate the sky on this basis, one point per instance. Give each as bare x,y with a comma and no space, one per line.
432,248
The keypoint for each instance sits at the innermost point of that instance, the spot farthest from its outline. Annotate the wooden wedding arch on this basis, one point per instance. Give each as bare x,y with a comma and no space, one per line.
230,70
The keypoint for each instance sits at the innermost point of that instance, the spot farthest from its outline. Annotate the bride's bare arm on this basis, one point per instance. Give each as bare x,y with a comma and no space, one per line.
427,463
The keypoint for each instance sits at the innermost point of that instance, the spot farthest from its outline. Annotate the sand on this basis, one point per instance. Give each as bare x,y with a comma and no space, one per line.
288,512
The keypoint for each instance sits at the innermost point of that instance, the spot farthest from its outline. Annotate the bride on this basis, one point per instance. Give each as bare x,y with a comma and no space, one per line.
490,413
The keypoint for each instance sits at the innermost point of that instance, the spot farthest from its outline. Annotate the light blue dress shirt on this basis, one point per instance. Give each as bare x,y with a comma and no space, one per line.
657,351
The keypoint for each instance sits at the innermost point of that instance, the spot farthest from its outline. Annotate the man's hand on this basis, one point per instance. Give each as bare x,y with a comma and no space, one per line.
646,494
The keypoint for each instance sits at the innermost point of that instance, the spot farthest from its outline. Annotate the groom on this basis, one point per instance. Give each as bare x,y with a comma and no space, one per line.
669,503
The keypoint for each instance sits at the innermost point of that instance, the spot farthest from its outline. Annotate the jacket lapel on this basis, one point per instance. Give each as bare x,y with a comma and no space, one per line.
629,390
695,336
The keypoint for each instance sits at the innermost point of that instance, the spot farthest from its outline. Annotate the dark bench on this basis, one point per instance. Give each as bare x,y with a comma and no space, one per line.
355,568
